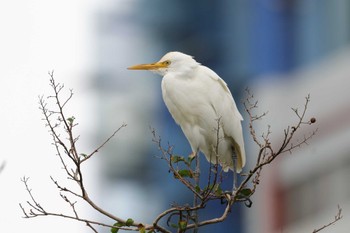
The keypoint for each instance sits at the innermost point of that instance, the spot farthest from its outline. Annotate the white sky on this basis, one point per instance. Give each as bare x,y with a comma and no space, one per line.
36,37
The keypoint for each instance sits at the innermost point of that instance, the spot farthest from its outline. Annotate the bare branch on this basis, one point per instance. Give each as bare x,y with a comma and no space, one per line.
61,128
337,217
70,160
2,166
104,143
215,220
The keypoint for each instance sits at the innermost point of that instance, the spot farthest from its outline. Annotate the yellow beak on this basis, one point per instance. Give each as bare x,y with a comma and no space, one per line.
152,66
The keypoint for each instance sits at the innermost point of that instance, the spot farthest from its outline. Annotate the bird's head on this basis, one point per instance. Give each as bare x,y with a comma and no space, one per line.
174,62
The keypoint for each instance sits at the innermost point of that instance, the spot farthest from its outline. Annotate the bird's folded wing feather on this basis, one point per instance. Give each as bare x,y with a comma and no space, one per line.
230,116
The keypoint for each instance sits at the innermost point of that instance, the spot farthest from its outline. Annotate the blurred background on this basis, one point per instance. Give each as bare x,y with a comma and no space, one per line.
282,50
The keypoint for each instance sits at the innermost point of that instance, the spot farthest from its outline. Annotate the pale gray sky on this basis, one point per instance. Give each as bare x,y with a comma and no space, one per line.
36,37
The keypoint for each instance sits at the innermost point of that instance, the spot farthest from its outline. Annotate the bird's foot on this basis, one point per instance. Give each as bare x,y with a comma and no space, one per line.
235,179
192,155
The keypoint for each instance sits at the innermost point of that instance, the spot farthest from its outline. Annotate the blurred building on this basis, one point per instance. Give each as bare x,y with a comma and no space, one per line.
248,43
302,190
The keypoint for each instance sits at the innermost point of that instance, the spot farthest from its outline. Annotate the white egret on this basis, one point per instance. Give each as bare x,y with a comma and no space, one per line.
197,97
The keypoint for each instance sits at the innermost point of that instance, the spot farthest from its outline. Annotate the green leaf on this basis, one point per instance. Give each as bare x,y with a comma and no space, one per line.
246,192
117,224
129,222
114,230
84,155
71,120
197,188
176,158
218,193
173,225
218,190
182,225
142,230
185,173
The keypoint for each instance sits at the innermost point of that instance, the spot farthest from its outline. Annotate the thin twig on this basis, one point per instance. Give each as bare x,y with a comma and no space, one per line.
337,217
104,143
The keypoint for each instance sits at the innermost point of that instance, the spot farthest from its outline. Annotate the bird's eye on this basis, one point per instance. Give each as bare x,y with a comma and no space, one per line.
167,62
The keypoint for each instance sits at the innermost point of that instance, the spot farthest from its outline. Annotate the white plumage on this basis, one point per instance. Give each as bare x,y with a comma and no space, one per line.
197,97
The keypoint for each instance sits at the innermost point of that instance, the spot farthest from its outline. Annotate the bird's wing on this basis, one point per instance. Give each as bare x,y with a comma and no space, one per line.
223,84
231,118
